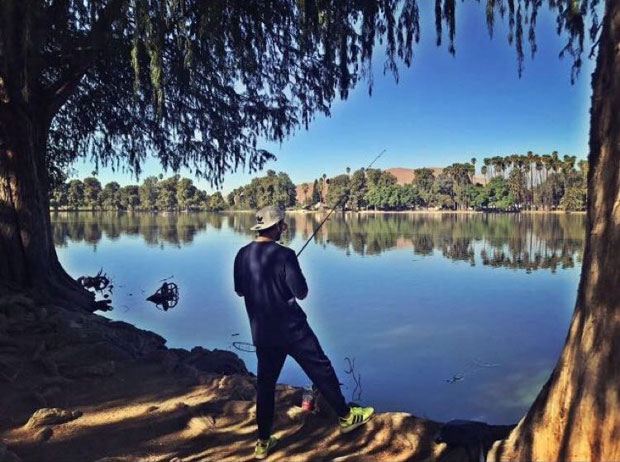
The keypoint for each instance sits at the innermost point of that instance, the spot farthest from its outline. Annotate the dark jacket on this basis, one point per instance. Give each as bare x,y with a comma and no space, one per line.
269,278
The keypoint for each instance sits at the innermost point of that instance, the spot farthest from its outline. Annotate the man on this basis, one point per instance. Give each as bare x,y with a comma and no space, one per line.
269,278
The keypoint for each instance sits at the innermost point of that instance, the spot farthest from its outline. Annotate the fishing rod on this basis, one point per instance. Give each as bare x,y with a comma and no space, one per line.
345,195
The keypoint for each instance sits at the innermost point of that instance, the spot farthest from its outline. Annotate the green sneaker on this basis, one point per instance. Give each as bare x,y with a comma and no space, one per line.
263,447
357,416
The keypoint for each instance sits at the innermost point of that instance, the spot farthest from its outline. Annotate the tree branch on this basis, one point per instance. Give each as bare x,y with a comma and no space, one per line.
64,88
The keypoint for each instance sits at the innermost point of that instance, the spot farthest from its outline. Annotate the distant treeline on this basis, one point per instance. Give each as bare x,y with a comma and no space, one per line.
155,193
510,183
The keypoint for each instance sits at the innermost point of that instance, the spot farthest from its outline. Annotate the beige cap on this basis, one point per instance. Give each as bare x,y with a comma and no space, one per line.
267,217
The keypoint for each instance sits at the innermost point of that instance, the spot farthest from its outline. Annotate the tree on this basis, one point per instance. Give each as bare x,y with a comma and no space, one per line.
186,194
573,199
307,200
372,176
64,75
442,195
358,189
111,197
75,194
409,196
59,196
130,197
193,83
316,195
517,185
386,179
167,194
424,180
92,193
149,192
339,186
461,175
285,192
216,202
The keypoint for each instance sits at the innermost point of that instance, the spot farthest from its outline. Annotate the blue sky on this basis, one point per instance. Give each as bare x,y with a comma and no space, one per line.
444,109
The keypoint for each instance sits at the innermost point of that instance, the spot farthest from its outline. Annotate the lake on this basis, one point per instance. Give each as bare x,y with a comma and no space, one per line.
446,315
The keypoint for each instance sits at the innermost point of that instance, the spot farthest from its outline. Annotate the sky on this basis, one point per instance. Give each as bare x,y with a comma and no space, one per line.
444,109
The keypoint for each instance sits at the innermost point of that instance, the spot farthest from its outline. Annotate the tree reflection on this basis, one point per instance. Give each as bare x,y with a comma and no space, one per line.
516,241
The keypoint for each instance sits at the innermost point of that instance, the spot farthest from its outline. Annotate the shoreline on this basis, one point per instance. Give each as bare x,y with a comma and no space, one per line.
89,388
348,212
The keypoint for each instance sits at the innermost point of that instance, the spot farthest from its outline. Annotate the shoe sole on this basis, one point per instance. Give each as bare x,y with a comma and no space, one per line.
357,425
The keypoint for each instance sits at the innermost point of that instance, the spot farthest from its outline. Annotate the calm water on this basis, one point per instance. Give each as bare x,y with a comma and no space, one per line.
447,316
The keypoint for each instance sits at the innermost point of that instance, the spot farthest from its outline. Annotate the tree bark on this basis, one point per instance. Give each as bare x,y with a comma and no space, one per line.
576,416
28,258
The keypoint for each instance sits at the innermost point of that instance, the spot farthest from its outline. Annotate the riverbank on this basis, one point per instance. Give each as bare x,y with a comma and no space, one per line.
421,212
75,386
303,211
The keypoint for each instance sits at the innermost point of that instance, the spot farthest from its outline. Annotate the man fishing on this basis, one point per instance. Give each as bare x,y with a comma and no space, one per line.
269,278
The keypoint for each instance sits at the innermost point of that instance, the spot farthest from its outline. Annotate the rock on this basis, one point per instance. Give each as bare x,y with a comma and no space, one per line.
49,366
322,407
40,313
39,351
51,416
182,353
44,434
39,398
7,456
216,361
238,387
84,354
170,361
73,324
58,380
102,369
291,396
16,305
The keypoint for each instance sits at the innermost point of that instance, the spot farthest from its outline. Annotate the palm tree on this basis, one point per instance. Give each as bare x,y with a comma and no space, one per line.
567,166
497,163
530,162
555,161
539,167
487,164
348,169
546,161
473,162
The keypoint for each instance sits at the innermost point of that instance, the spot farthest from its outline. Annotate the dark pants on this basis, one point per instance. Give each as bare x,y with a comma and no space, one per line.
309,355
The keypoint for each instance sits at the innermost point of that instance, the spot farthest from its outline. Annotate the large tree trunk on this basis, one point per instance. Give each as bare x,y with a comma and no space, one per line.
28,258
576,416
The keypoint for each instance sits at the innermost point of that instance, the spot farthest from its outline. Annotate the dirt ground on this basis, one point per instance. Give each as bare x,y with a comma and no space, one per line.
143,414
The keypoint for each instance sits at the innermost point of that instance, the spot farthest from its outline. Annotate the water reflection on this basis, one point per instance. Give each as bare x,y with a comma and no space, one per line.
524,241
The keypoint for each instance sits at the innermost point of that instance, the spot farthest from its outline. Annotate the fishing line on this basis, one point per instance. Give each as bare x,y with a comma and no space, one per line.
345,195
244,346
